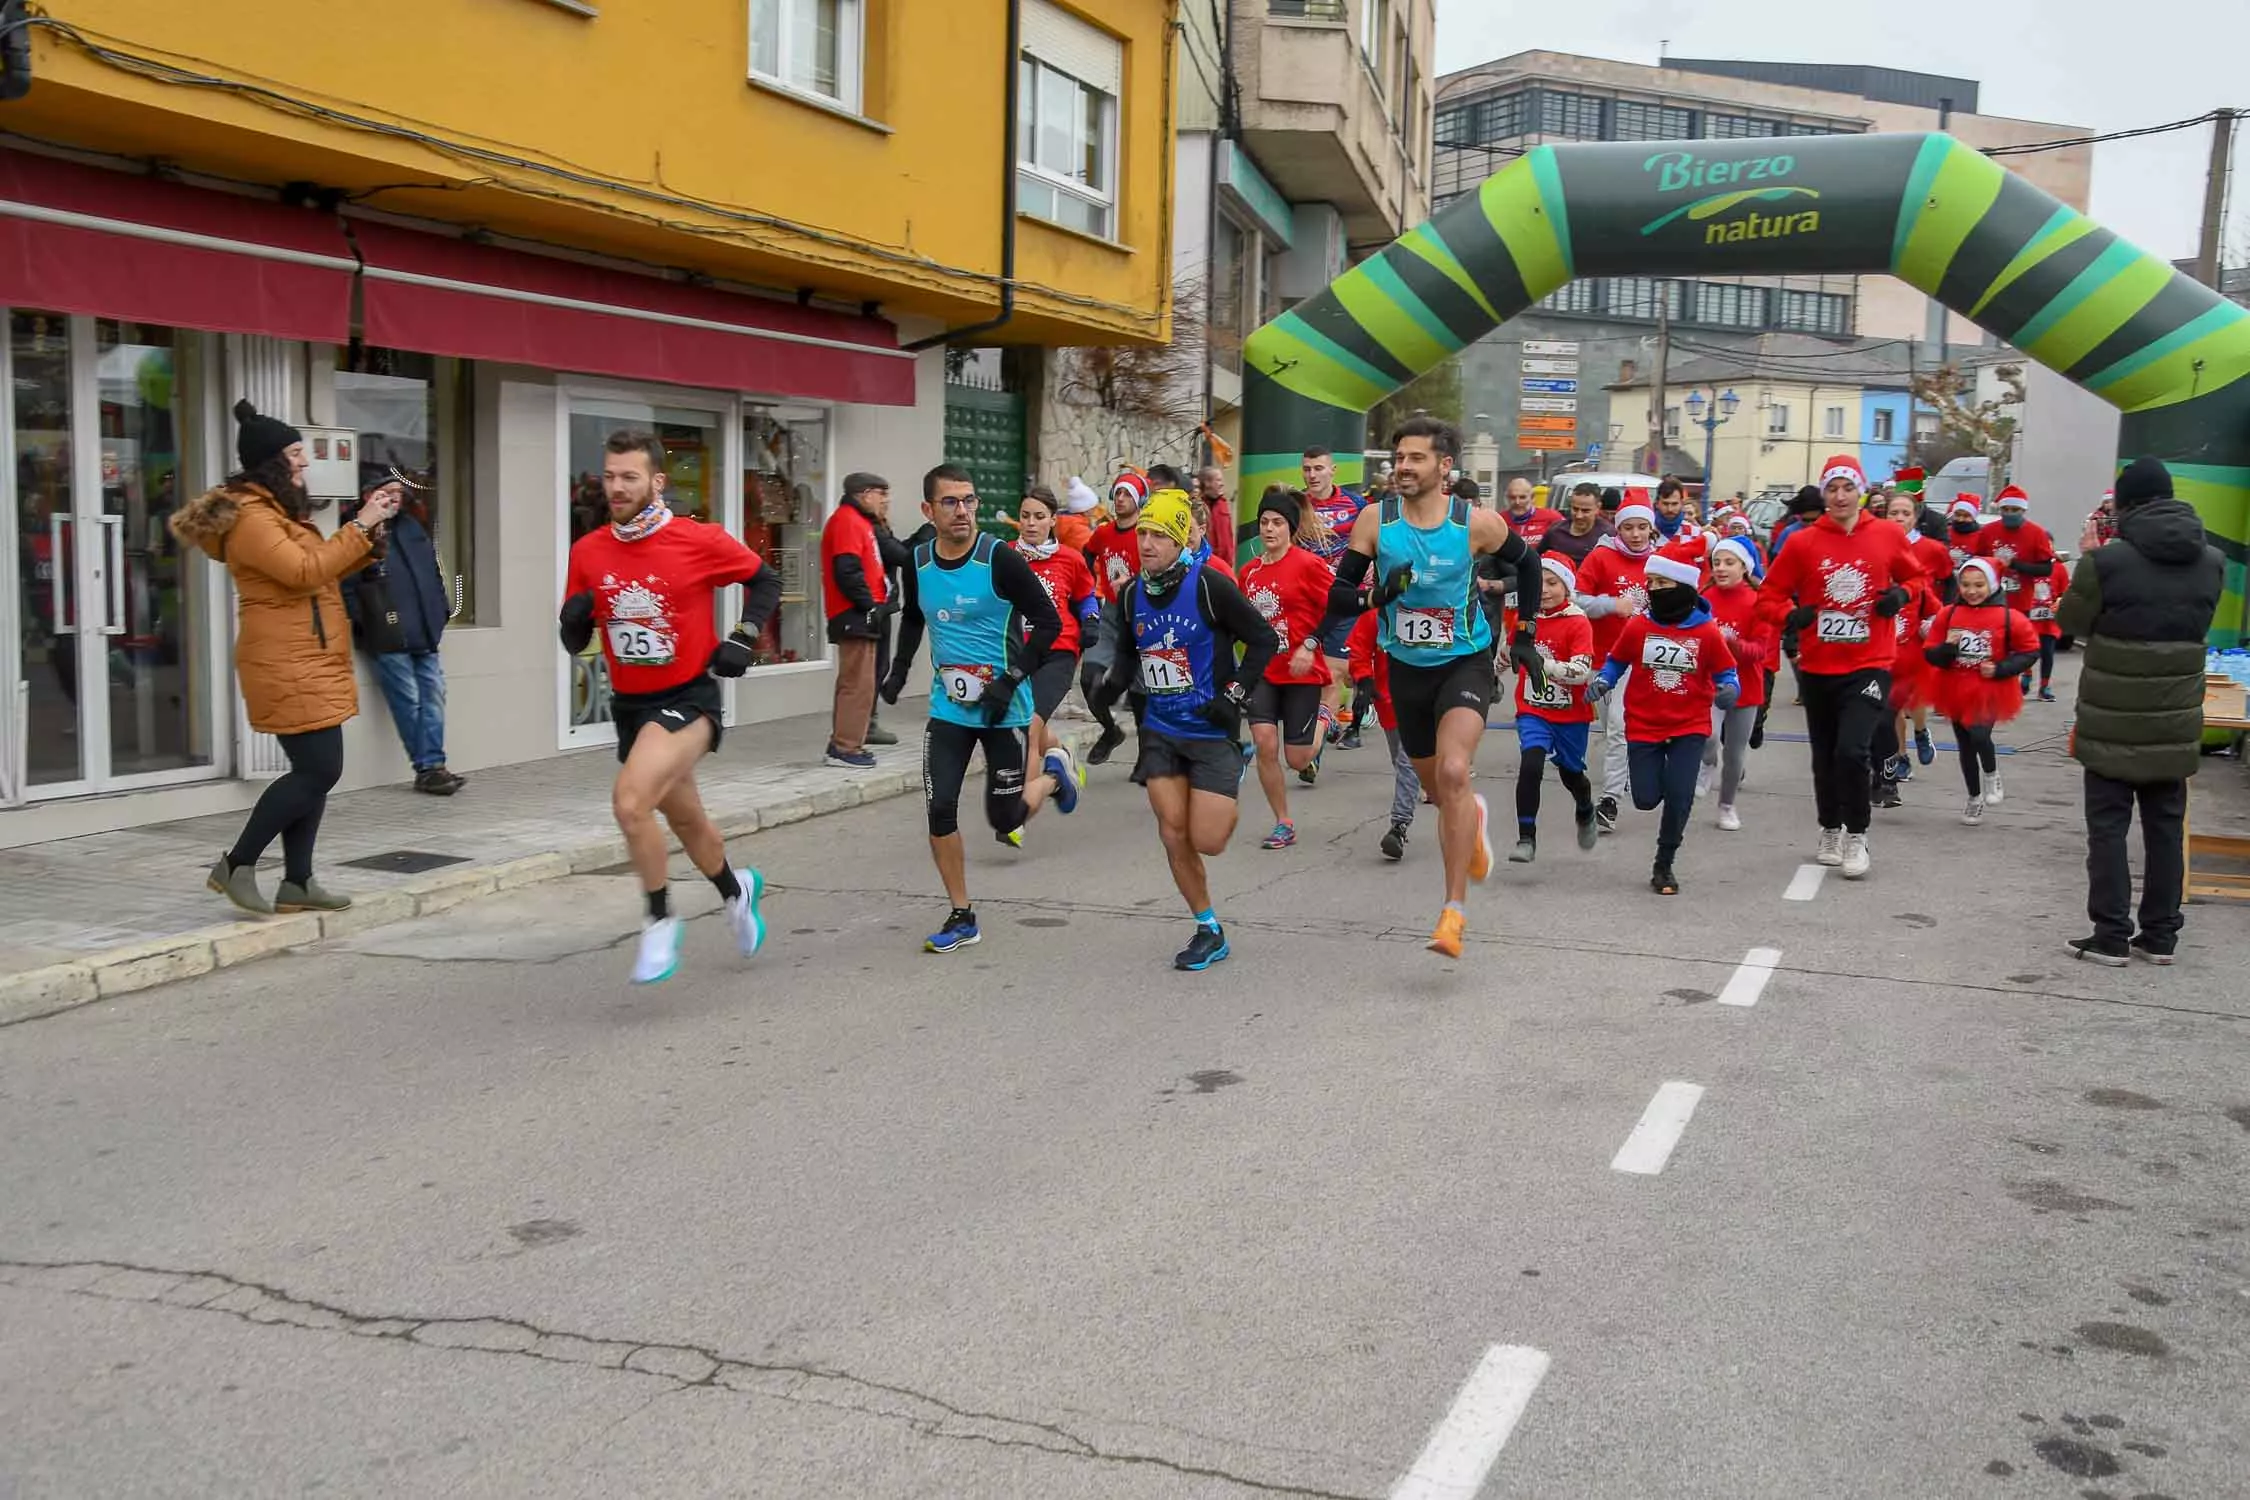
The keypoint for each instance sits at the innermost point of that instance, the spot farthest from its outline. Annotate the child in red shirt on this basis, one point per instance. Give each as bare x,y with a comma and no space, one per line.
1680,670
1733,600
1370,666
1554,720
1976,647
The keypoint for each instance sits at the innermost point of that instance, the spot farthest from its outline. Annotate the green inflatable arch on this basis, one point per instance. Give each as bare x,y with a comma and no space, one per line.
2169,352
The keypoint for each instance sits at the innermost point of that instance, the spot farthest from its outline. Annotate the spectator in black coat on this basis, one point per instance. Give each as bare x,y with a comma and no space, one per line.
404,637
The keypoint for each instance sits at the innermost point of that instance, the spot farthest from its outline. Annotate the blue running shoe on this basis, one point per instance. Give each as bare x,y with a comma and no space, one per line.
1925,748
1057,765
959,931
1284,836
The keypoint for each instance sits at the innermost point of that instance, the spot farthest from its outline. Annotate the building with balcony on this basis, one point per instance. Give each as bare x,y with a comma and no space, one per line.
471,240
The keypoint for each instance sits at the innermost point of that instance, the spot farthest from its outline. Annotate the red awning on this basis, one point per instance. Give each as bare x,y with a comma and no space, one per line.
443,296
76,239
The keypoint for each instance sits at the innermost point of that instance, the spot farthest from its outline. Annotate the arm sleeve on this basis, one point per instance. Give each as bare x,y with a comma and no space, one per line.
1778,594
2082,601
850,574
261,544
1014,581
911,624
1523,559
894,553
1240,620
761,596
1343,594
1125,661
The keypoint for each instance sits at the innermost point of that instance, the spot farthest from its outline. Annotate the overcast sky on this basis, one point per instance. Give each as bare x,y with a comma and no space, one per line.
2108,67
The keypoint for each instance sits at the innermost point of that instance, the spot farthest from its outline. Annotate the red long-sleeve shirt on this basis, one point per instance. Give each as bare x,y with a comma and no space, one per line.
1840,574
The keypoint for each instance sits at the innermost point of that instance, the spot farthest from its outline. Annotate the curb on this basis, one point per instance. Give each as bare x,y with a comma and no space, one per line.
33,993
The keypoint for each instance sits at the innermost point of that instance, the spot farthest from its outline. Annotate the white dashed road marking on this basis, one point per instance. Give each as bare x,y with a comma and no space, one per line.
1749,978
1805,884
1468,1439
1650,1145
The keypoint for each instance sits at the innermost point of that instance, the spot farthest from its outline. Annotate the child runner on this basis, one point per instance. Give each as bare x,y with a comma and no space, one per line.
1611,590
1553,719
2024,553
1680,669
1371,677
1069,583
1733,598
1288,587
1976,647
2037,599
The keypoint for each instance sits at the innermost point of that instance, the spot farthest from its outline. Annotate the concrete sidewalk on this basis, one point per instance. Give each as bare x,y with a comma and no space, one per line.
106,914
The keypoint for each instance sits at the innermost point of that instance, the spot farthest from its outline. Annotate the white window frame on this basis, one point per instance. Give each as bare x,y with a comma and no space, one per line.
1883,423
1374,34
1832,421
851,48
1671,424
1777,418
1103,195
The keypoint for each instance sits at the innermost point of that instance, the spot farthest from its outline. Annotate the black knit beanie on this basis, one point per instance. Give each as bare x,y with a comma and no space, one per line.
258,440
1806,502
2144,479
1282,503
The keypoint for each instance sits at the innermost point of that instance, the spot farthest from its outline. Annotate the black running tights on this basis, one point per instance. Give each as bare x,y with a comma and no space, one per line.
1977,753
291,807
1533,767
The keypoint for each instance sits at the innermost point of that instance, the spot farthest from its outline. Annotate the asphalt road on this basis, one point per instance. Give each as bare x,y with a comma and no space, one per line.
451,1210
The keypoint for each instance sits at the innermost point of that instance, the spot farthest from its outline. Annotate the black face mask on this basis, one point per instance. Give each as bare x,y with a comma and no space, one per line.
1963,526
2013,520
1671,606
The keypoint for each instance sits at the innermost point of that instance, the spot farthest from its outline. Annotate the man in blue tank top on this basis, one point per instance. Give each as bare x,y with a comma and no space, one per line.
1182,621
990,625
1423,546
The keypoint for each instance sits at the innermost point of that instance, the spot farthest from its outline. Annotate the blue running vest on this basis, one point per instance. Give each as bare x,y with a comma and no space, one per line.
1438,619
970,626
1179,654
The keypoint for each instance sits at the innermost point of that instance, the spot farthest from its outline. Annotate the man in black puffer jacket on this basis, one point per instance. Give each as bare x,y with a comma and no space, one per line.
2143,605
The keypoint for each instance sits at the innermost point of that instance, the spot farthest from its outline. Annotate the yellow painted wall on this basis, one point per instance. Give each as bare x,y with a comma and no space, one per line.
637,133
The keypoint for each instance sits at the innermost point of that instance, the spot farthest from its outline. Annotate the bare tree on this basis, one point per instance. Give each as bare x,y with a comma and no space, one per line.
1985,428
1141,389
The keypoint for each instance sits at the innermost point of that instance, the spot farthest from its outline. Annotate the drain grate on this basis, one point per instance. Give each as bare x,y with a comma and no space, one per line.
405,861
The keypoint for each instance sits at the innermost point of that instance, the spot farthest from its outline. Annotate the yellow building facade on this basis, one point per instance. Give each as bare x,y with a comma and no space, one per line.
469,238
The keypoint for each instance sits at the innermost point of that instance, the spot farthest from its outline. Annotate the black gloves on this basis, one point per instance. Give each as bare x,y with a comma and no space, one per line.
1800,617
1524,652
1892,600
1400,580
1943,654
1000,696
577,621
881,613
893,685
733,658
1224,711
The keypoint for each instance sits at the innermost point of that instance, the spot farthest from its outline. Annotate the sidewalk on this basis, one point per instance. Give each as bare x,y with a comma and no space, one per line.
87,918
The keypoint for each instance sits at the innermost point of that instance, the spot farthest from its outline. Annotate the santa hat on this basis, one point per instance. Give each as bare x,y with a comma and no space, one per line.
1743,550
1137,484
1843,466
1963,505
1559,565
1908,481
1984,566
1678,569
1635,512
2013,498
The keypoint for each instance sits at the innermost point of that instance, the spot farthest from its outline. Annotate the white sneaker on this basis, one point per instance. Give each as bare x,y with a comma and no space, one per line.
1973,814
742,913
1993,795
1855,860
1831,851
659,954
1727,818
1703,781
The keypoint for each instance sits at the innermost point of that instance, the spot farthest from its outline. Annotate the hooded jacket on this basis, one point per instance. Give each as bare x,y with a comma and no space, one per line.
2143,605
292,645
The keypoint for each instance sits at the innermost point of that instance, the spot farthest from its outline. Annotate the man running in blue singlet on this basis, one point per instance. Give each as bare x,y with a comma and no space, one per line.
1423,545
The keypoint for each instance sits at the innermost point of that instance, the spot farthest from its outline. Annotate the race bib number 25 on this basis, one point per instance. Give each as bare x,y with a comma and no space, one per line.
634,643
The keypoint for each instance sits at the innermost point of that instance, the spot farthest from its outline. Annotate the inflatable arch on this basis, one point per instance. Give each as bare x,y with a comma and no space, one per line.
2171,353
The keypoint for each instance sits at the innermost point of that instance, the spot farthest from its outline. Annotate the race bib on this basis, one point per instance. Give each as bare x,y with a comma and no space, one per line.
1549,694
1975,645
965,683
1840,628
1165,671
2041,612
1663,653
1423,627
636,643
2010,584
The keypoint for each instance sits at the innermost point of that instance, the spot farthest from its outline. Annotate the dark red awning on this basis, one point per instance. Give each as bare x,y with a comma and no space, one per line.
76,239
437,295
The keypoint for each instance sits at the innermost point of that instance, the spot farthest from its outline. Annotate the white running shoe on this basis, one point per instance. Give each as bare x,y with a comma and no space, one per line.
1831,851
1703,780
1993,795
1728,818
659,955
1855,861
1973,814
742,914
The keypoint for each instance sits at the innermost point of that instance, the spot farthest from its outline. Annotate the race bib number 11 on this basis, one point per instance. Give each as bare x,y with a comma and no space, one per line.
1165,671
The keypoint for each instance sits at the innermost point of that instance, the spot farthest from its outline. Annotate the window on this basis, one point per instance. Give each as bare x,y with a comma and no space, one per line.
1777,418
1066,133
1812,312
1832,421
1738,127
1727,305
1925,426
785,500
811,46
1884,424
1636,297
417,413
1578,297
1231,248
1631,121
1374,26
1575,116
1796,127
1671,424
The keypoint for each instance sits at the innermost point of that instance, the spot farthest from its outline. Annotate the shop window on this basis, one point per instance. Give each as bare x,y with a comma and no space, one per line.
812,46
785,497
417,413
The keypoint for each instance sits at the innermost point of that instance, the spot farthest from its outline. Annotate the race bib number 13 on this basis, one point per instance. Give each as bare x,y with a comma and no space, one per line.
1839,628
1423,627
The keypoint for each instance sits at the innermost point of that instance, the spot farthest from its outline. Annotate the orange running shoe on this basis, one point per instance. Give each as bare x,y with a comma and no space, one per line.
1480,861
1451,926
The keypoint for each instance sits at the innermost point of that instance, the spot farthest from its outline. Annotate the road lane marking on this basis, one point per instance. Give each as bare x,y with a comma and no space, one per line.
1805,884
1749,978
1650,1145
1467,1440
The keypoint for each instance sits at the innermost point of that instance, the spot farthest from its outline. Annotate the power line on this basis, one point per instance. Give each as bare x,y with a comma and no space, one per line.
2030,147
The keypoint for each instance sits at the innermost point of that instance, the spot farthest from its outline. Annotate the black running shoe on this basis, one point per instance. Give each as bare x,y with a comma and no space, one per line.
1206,948
1394,842
2095,951
1605,815
2153,951
1103,748
1349,740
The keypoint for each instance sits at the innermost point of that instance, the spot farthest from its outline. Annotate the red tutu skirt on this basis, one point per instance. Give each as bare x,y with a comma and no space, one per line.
1910,677
1966,698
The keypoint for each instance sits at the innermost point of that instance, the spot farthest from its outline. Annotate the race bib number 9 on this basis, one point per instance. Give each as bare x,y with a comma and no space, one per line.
1975,645
1661,653
1840,628
635,643
965,683
1423,627
1165,671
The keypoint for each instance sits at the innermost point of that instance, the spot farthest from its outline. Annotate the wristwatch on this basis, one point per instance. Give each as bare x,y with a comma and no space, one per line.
1310,643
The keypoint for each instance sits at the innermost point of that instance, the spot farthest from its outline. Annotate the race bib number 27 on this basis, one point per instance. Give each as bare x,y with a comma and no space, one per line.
1660,653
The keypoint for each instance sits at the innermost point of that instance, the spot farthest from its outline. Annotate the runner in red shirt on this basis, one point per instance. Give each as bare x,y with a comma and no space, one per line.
1832,584
1069,585
1114,557
646,584
2025,555
1733,598
1612,589
1553,718
1288,587
1327,530
1680,670
1529,521
1975,648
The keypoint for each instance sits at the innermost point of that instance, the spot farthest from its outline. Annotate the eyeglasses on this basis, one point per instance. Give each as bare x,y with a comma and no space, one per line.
955,502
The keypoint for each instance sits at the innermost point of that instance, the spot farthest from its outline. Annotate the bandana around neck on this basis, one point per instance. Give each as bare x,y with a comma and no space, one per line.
650,521
1041,552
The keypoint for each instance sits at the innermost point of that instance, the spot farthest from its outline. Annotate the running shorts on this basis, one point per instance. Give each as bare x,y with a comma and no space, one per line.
674,708
1052,682
1565,744
1208,765
1421,696
1335,638
1294,706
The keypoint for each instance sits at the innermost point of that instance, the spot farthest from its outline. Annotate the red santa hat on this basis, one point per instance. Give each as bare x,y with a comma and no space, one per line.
1984,566
1136,484
1636,512
1964,505
1559,565
1679,569
1843,466
2014,496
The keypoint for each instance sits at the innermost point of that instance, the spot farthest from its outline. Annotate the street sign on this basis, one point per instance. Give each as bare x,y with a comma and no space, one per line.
1549,424
1550,346
1593,452
1552,387
1550,403
1557,442
1550,367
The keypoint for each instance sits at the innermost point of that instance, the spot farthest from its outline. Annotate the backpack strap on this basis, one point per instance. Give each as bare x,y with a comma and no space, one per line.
1391,510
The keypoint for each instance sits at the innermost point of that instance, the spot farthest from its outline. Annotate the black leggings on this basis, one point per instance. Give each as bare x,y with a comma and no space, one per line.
946,748
291,807
1843,714
1531,767
1975,741
2047,644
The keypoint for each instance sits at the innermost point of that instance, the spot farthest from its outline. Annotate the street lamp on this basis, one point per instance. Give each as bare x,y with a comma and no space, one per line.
1720,412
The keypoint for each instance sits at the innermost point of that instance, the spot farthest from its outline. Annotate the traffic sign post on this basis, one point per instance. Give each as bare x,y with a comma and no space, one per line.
1556,442
1549,424
1550,387
1550,367
1549,403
